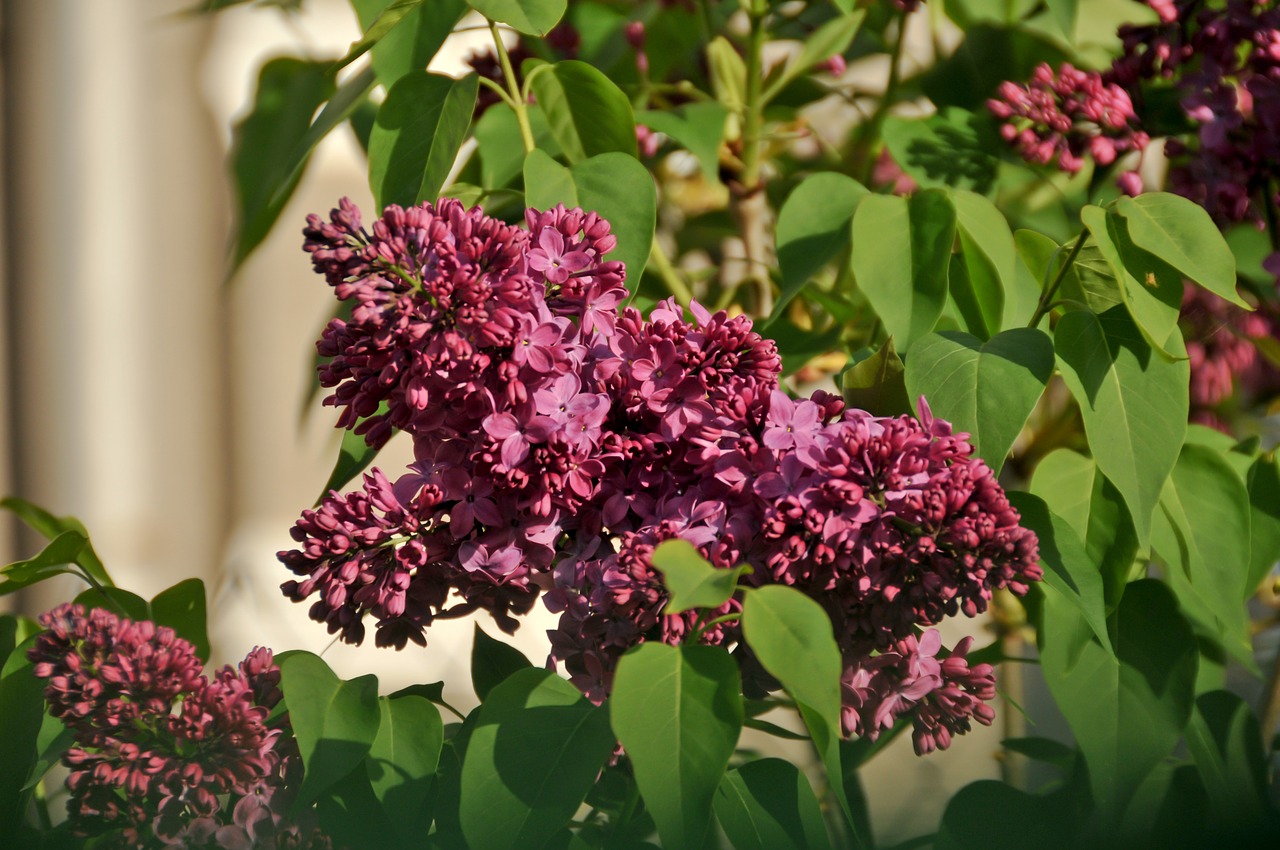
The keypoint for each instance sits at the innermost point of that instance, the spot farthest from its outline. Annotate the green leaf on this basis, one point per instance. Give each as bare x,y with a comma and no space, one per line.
990,259
678,712
501,149
402,760
493,662
950,148
414,41
182,608
1154,295
50,562
1264,519
826,41
1127,710
416,138
614,185
587,112
791,636
1044,750
264,144
534,753
14,629
1180,232
1201,530
988,56
387,19
990,815
1067,569
22,708
986,389
878,384
1134,404
699,127
335,721
901,252
52,741
531,17
354,457
813,227
1064,13
1075,490
50,526
769,805
691,580
120,602
1223,736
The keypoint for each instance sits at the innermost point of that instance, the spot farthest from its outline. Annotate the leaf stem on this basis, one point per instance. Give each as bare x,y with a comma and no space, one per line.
709,624
519,106
661,264
1046,298
868,132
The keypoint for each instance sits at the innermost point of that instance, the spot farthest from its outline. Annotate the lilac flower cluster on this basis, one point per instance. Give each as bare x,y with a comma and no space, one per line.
164,756
1224,61
559,437
1222,349
1060,118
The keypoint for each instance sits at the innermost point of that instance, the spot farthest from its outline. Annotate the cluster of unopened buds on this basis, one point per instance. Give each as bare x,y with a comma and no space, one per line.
163,755
1059,118
560,436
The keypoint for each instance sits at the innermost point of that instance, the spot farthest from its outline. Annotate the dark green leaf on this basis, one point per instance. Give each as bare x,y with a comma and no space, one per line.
813,227
493,662
877,384
264,146
416,138
182,608
1067,569
990,815
988,56
1075,490
531,17
50,562
402,760
52,741
699,127
123,603
587,112
501,149
387,19
1201,530
414,40
1134,403
1127,710
534,753
614,185
901,254
986,389
1181,233
1264,519
1224,738
678,712
22,709
14,630
769,805
1046,750
354,457
50,526
791,637
335,721
949,148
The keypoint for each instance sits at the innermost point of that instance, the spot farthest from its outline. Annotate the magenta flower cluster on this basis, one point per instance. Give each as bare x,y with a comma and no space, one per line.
164,756
1224,358
1060,118
560,436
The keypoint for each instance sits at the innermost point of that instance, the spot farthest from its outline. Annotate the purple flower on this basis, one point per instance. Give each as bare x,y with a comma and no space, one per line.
551,258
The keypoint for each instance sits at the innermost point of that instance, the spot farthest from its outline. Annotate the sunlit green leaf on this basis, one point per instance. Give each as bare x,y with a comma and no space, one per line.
690,579
531,17
414,40
335,721
533,754
678,712
813,227
587,113
1180,232
416,138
